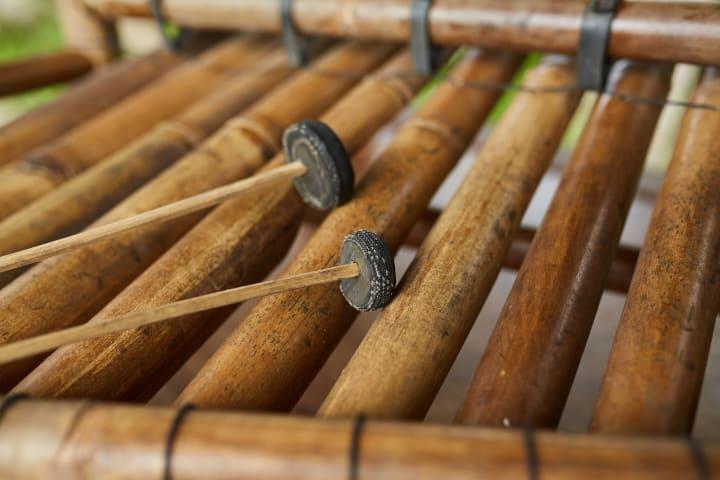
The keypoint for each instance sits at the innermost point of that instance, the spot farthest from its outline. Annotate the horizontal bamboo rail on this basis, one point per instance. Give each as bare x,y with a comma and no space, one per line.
545,323
41,71
81,440
71,289
657,362
238,243
671,32
81,102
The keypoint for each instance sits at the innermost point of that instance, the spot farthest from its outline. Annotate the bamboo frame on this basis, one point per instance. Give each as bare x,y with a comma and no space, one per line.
424,327
105,87
74,205
392,194
39,172
69,290
657,362
43,439
87,32
41,71
675,32
238,243
543,328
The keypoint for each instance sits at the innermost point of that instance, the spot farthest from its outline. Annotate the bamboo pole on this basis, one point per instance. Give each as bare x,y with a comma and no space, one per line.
277,177
526,371
239,243
81,102
288,350
404,358
621,269
170,311
670,32
69,290
658,358
79,440
86,31
39,172
41,71
78,202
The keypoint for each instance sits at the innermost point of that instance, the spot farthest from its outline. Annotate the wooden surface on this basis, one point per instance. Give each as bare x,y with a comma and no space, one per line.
287,354
642,30
528,367
81,440
41,71
87,31
80,103
71,289
39,172
74,205
659,355
402,361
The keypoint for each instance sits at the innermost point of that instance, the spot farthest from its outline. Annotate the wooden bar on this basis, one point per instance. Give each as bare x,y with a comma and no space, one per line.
237,244
86,31
41,71
80,103
39,172
69,290
74,205
40,439
658,358
670,32
404,358
544,326
286,338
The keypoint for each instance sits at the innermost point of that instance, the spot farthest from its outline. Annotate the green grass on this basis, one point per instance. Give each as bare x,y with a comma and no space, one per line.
22,41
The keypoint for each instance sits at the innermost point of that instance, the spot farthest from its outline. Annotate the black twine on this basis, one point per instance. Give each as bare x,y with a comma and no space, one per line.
697,454
354,452
175,43
531,454
177,421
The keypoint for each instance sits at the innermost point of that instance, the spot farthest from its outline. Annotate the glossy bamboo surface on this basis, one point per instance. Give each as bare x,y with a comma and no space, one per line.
41,71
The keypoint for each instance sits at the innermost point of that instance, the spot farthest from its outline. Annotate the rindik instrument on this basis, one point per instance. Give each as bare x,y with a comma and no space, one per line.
198,245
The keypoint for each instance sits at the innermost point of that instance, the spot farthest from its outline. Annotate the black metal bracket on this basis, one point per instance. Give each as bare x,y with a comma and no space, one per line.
426,57
592,62
296,46
173,43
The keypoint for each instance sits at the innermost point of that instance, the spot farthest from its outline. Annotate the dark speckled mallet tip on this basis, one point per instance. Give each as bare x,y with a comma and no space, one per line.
329,180
374,287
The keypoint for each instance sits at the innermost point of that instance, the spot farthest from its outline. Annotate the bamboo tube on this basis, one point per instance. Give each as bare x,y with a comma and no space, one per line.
33,176
79,440
41,71
395,191
621,269
80,103
87,32
404,358
676,32
81,200
69,290
239,243
658,358
526,371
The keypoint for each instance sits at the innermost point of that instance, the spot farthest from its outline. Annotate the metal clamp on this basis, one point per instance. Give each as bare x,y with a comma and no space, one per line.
295,44
175,42
425,56
592,62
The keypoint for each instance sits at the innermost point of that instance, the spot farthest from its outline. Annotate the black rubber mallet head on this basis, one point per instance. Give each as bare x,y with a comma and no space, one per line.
374,288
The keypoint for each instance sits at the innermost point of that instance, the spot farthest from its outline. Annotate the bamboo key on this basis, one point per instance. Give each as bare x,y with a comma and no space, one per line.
323,181
366,272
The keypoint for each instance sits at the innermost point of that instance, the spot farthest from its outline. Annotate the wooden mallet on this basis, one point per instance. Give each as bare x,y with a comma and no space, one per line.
367,281
316,162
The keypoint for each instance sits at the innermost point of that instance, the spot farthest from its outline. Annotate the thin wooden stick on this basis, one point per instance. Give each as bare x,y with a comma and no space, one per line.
161,214
51,341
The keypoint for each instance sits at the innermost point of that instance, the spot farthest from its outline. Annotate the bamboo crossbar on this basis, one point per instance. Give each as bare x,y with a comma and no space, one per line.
669,32
42,71
97,440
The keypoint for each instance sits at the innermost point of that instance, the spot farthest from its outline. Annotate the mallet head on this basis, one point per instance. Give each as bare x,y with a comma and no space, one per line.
373,289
